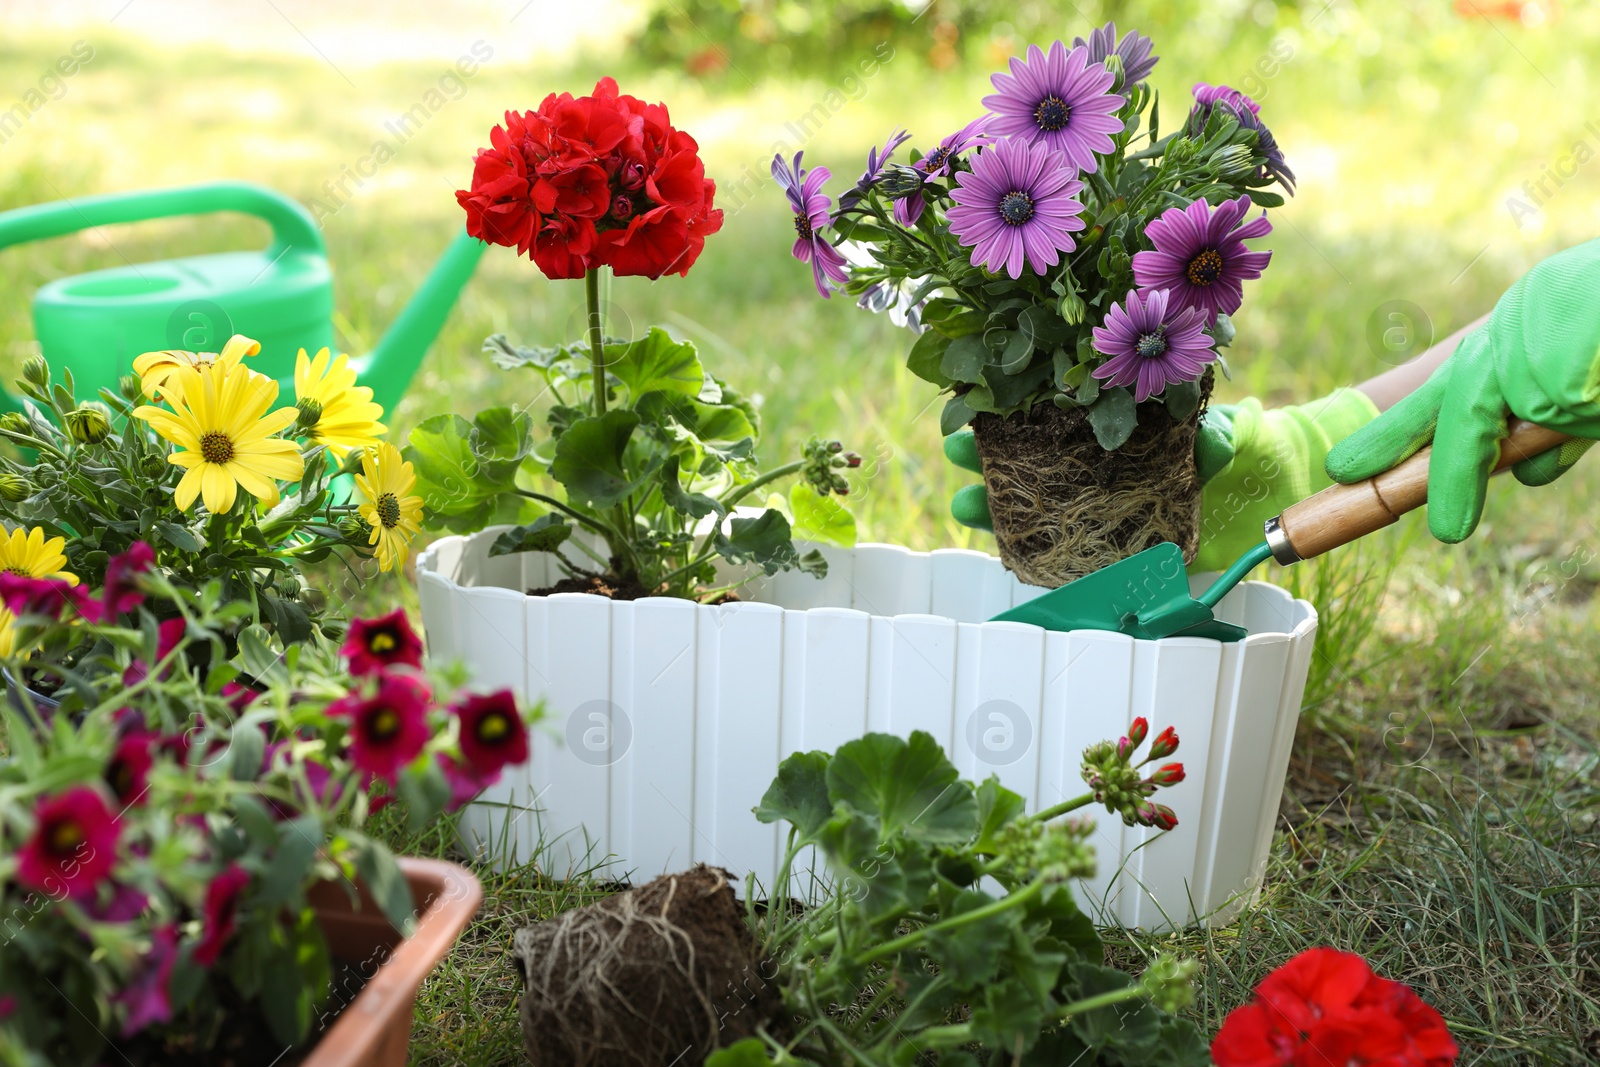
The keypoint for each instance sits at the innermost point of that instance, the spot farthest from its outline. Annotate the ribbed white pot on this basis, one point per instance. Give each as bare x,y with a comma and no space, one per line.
671,718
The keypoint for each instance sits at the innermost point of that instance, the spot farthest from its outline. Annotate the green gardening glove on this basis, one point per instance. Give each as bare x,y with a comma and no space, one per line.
1537,357
1253,464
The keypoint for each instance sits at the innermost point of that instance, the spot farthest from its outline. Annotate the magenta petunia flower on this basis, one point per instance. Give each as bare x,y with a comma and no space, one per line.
1200,256
221,913
465,780
1134,50
128,771
168,634
1151,344
24,594
389,728
1016,203
371,645
811,213
146,999
492,732
937,164
1059,100
73,847
122,593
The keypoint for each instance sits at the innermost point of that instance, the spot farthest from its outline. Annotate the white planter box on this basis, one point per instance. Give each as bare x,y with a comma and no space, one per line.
670,718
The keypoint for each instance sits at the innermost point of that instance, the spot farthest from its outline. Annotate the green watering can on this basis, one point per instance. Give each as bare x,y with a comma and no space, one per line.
97,323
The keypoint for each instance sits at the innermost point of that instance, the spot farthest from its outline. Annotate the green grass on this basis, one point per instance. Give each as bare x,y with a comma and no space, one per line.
1441,810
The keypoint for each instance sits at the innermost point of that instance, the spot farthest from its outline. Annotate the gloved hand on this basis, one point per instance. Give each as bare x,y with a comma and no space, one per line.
1537,357
1253,464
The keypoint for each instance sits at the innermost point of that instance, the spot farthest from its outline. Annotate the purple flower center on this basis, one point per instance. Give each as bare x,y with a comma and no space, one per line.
1152,345
1205,267
1016,207
1052,114
802,226
935,159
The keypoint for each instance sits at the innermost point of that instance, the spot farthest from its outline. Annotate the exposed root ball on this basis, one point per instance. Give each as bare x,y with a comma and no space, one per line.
1063,506
658,975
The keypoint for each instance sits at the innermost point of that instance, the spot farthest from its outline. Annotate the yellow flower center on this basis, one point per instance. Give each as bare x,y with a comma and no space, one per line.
389,510
384,725
216,447
66,837
493,727
381,642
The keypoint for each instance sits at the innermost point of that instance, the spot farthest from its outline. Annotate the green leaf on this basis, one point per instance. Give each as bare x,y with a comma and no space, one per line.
1010,1017
1017,352
956,414
908,784
1113,417
695,505
656,363
965,358
381,875
295,976
1043,326
508,356
799,794
970,954
255,819
247,745
298,842
926,357
952,318
259,659
1262,198
425,793
179,537
1131,1024
1222,330
997,808
588,459
1008,392
544,534
451,479
500,438
1069,925
765,539
1181,399
751,1052
821,518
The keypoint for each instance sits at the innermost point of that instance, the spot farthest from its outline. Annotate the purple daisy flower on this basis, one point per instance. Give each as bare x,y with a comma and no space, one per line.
937,163
1059,100
1016,202
1134,48
876,158
1200,255
810,205
1151,344
1248,112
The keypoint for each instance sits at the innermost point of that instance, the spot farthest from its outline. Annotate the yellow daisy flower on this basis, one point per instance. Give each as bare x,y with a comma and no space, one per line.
334,410
29,555
394,515
160,369
219,419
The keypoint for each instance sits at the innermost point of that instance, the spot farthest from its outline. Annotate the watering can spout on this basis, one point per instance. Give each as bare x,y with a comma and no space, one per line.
389,368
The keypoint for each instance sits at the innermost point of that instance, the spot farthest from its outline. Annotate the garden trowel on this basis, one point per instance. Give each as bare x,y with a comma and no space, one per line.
1147,595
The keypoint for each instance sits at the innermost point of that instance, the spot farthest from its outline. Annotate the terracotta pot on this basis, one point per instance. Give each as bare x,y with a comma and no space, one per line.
374,1029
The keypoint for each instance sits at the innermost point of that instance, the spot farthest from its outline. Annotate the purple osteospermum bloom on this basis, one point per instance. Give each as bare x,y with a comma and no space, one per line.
1248,112
1059,100
1134,48
936,164
810,205
1151,344
1016,202
876,158
1200,255
1209,96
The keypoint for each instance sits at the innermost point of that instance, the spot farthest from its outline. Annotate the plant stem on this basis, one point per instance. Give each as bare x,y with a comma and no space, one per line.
594,524
1065,806
771,476
597,354
955,922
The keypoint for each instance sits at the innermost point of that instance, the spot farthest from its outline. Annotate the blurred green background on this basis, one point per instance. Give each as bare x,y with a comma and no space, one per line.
1442,805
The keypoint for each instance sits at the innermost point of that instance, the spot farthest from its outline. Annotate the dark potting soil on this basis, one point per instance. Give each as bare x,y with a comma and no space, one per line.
609,586
659,974
240,1037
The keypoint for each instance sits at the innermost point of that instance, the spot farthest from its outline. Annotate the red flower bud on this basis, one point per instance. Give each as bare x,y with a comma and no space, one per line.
632,176
1165,744
1169,774
621,209
1163,817
1137,731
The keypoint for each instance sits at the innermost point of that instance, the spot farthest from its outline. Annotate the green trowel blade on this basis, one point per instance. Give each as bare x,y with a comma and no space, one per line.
1144,596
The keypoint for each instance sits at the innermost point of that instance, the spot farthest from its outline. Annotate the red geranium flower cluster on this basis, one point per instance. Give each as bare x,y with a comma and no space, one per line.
594,181
1327,1007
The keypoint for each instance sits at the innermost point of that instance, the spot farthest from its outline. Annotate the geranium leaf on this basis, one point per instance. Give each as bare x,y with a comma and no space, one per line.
589,459
908,784
544,534
695,505
821,518
656,363
799,794
765,539
970,955
997,807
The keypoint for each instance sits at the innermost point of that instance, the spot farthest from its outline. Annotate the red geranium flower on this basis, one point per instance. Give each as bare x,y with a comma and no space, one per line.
121,593
73,846
25,595
387,641
389,728
586,182
1325,1006
492,732
146,1000
128,772
221,913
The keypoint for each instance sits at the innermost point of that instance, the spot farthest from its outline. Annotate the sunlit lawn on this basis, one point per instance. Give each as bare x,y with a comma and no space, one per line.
1441,810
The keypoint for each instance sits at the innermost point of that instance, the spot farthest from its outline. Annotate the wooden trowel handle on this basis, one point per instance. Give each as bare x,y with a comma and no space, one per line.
1342,513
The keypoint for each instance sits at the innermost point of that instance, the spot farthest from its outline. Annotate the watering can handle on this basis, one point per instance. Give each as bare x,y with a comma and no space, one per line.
292,225
1342,513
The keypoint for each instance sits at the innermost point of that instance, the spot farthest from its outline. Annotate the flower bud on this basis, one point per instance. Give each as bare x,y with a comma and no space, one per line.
1125,749
1162,817
14,487
1137,731
88,424
130,387
353,528
310,410
852,460
1169,774
621,208
1114,65
1072,308
1168,982
1165,744
835,447
290,588
36,371
14,422
632,175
